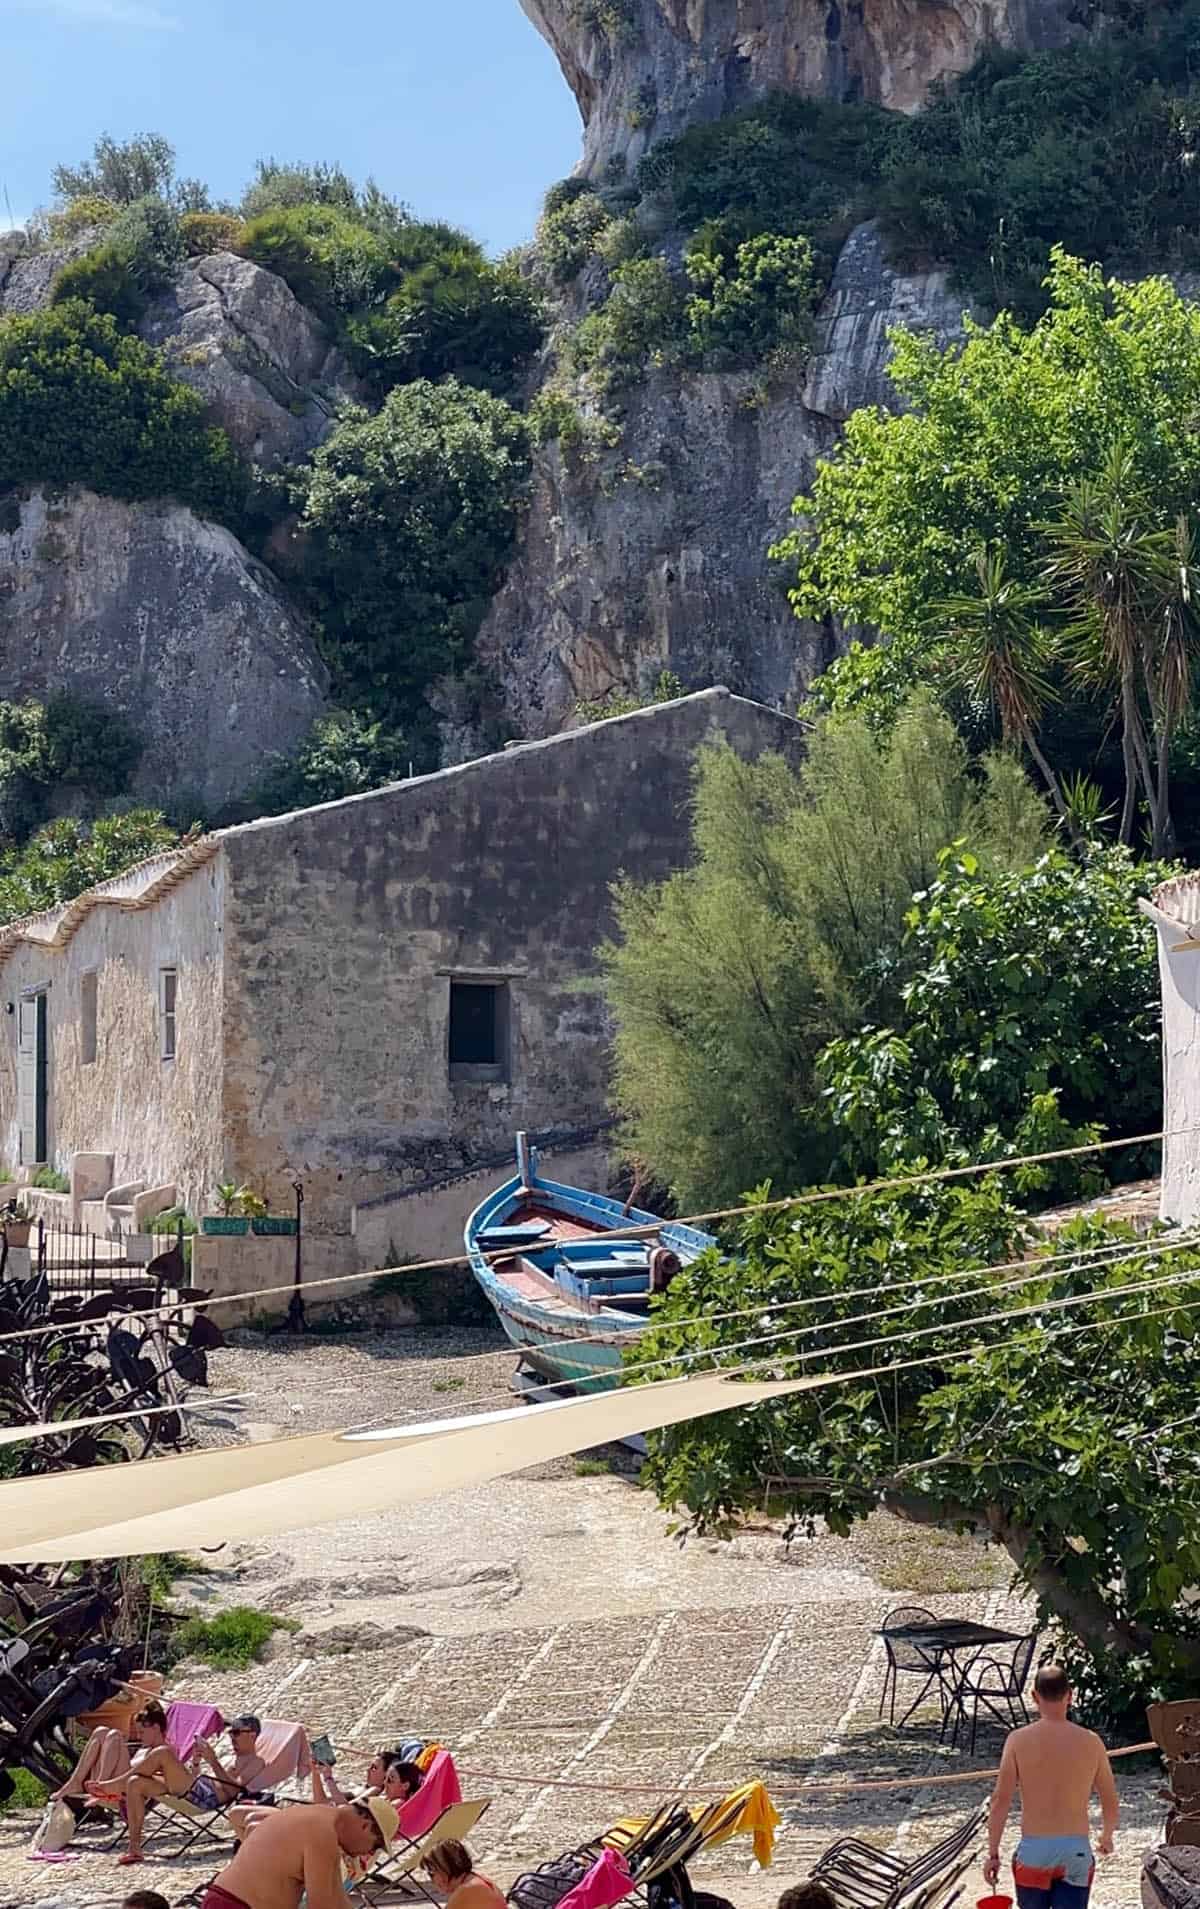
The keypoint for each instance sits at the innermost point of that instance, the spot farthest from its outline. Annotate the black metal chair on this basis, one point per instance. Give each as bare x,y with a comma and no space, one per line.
996,1687
907,1658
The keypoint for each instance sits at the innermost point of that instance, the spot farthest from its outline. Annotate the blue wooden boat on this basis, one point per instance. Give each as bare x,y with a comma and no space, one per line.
572,1299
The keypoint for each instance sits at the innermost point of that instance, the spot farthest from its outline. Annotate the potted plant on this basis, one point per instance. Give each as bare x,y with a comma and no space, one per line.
263,1222
17,1221
232,1218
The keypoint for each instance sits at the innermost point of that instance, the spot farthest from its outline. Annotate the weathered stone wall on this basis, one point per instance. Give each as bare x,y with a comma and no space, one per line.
161,1120
429,1225
1179,976
345,923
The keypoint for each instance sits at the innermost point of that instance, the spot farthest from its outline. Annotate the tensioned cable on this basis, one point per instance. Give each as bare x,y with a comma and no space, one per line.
1117,1257
872,1344
861,1191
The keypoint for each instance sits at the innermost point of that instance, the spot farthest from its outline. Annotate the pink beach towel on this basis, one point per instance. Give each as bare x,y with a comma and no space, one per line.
438,1791
186,1722
284,1749
606,1882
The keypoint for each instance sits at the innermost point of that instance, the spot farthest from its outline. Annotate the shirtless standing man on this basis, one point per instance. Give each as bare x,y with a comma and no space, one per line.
1056,1766
299,1852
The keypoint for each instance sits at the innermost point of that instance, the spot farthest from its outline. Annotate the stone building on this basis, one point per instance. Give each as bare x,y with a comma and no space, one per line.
363,996
1175,911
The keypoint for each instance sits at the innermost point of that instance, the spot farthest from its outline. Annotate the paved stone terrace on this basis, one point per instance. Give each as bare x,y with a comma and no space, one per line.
788,1693
591,1652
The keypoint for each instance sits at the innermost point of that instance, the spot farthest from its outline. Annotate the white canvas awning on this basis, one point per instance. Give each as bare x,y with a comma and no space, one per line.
254,1491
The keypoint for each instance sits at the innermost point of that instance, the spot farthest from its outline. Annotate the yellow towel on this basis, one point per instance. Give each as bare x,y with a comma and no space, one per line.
757,1817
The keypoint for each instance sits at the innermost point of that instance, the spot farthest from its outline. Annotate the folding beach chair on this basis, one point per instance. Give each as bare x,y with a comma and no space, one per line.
402,1870
863,1877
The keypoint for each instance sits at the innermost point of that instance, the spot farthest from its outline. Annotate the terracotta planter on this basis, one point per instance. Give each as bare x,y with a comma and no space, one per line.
17,1232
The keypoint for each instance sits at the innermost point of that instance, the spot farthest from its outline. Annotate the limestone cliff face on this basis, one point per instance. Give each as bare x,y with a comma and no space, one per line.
265,366
642,70
652,556
147,609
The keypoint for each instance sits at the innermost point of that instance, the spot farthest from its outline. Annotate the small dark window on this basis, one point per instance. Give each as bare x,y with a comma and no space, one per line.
167,981
87,1017
478,1030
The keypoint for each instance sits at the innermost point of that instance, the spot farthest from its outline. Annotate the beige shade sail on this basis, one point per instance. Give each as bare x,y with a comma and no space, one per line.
254,1491
59,1428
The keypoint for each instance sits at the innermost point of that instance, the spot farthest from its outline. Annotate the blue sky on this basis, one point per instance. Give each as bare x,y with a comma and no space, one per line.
456,106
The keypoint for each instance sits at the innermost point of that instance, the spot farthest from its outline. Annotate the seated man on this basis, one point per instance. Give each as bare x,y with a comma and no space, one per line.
227,1782
295,1853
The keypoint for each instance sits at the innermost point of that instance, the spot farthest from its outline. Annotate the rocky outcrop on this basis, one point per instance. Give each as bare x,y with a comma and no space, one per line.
642,70
147,609
266,368
653,555
27,277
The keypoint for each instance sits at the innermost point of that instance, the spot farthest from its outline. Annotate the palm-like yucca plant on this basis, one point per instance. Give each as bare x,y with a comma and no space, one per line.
1129,588
1003,658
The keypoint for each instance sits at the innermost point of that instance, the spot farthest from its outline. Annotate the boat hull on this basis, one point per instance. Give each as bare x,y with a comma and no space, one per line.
563,1339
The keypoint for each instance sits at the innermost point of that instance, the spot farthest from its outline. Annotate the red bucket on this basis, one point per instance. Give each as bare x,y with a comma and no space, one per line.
994,1902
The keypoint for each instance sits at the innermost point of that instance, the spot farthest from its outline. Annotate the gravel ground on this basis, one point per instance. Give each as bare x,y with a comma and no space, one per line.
580,1663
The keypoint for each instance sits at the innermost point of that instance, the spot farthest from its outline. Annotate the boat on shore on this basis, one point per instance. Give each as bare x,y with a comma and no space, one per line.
570,1296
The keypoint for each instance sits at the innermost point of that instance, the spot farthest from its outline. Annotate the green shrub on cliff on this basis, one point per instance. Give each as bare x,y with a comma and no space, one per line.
205,232
142,250
421,301
63,742
751,302
83,404
411,515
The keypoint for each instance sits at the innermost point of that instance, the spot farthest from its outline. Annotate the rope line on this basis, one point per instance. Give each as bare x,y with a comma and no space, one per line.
871,1344
810,1198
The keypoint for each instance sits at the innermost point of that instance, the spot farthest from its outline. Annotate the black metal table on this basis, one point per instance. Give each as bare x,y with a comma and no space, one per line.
941,1644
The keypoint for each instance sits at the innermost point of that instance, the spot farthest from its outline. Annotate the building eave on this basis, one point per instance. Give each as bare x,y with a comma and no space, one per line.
136,888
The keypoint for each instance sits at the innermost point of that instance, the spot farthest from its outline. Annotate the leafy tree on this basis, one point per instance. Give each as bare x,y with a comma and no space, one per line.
80,403
60,743
277,187
343,754
1000,433
411,515
1030,1009
67,856
728,979
1070,1451
124,171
